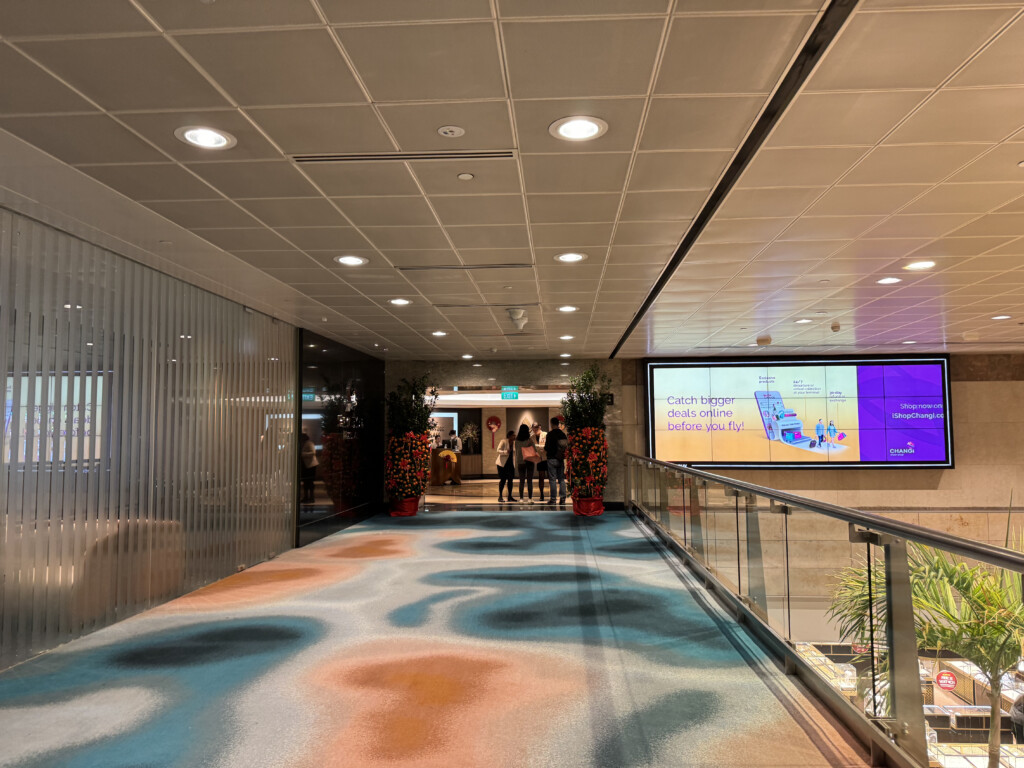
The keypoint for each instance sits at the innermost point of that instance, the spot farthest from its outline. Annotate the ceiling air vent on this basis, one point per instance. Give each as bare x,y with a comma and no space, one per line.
503,154
462,267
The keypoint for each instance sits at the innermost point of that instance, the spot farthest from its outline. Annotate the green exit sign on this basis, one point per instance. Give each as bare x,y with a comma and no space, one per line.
509,395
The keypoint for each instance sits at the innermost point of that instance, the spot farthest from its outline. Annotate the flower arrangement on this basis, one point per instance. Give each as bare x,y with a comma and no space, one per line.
587,463
407,465
449,455
407,458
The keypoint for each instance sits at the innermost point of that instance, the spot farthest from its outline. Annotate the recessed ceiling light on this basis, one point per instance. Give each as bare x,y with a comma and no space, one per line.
351,261
1020,164
467,357
565,354
311,346
507,287
803,320
205,138
564,375
439,333
492,379
889,281
88,343
478,365
910,342
752,345
1001,317
465,177
376,344
564,363
578,128
451,131
166,242
570,258
273,359
819,312
567,338
917,266
400,302
568,308
824,282
72,306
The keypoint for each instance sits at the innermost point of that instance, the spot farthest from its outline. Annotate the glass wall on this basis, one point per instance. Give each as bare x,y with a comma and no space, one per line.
149,441
343,416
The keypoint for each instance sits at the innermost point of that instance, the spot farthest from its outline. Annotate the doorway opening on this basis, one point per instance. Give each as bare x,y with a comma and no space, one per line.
480,417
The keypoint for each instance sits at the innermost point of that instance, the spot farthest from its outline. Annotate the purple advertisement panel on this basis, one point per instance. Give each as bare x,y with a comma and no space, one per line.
875,411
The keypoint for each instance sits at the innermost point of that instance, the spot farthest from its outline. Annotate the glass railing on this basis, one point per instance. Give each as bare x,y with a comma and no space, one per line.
911,636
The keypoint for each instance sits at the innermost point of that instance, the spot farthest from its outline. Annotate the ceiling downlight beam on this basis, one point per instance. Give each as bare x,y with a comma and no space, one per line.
824,34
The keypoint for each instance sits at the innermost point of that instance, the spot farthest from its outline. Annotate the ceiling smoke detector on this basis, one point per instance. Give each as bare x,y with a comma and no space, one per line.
518,317
451,131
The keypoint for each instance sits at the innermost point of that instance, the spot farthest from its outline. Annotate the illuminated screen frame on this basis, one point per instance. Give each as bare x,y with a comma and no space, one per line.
809,361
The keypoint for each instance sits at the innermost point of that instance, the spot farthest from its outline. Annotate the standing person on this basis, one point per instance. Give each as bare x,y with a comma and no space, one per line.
556,446
526,460
454,442
542,466
832,432
819,430
307,452
506,464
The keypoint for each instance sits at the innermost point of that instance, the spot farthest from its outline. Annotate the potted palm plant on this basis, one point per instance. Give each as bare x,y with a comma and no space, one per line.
407,456
586,464
973,611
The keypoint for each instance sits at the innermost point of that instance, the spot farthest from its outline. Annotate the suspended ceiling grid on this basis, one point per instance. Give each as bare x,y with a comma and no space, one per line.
103,87
901,146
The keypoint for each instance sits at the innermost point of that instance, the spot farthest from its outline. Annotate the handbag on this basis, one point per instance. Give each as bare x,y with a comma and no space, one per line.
530,454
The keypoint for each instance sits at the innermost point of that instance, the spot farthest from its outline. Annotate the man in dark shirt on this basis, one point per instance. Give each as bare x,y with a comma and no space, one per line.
556,446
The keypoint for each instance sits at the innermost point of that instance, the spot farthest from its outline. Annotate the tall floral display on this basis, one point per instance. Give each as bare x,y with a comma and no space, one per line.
586,463
407,456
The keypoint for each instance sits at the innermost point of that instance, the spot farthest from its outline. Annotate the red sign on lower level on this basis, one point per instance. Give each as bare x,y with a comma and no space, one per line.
946,680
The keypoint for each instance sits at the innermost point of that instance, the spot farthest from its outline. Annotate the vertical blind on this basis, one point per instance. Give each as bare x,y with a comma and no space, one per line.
148,437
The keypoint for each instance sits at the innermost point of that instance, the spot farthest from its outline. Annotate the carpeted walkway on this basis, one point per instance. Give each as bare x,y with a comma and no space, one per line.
459,638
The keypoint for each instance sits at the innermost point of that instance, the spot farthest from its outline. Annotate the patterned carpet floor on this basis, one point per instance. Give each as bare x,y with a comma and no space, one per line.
456,638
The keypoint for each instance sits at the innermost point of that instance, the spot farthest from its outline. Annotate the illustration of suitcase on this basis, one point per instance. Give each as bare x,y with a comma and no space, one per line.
813,443
840,436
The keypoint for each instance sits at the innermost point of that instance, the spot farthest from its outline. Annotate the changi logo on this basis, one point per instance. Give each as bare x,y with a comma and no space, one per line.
902,451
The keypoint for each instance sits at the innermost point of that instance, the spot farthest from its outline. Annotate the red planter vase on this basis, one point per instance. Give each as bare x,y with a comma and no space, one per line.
588,507
405,507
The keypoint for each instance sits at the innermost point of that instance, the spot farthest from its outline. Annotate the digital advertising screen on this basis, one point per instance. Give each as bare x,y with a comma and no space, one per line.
871,412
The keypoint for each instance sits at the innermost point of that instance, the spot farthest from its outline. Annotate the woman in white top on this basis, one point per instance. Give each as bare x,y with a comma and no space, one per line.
542,467
506,466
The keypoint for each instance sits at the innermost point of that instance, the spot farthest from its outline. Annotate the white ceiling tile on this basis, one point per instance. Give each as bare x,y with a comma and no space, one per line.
480,209
422,62
829,227
441,177
388,212
729,54
82,139
677,170
575,173
699,122
368,11
314,130
989,114
865,200
912,49
273,67
912,164
920,225
798,167
831,119
1002,63
415,126
581,58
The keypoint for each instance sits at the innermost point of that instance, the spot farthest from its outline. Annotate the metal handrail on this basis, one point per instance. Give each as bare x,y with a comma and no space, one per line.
998,556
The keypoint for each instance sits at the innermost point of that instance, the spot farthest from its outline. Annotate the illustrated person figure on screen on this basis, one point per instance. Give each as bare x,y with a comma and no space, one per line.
832,432
506,464
819,430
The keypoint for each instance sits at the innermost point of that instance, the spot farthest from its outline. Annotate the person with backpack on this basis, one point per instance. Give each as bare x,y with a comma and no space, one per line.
556,445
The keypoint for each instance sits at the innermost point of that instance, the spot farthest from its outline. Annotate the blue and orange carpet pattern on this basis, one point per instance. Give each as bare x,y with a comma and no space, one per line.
456,638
